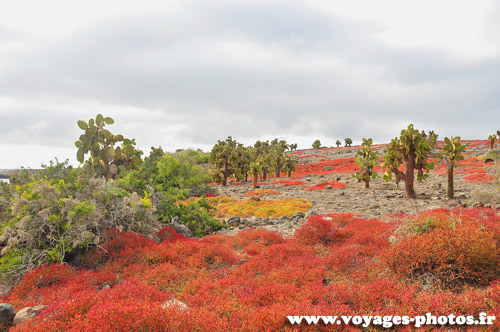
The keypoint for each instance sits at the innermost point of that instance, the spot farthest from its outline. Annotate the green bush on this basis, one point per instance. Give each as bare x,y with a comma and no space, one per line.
53,221
172,178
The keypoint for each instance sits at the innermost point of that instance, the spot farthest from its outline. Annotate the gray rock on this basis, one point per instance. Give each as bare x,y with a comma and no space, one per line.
328,187
7,313
299,214
6,290
175,304
308,179
28,313
234,221
310,213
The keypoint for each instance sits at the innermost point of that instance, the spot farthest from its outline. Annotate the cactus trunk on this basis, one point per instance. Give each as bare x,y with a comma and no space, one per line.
254,180
226,171
409,174
450,192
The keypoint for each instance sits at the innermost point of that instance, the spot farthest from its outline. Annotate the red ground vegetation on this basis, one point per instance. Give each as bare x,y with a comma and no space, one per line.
336,264
479,178
322,185
287,183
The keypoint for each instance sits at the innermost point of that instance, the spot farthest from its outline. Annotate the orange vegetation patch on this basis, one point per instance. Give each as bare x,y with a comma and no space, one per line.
323,185
479,178
288,182
261,192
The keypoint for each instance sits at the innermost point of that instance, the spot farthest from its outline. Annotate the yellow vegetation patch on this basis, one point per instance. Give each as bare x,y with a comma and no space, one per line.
228,206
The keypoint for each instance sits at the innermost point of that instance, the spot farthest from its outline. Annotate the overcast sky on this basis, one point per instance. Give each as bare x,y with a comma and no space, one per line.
186,73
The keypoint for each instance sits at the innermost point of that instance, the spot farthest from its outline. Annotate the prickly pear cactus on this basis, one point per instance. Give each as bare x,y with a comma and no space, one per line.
104,158
411,149
453,153
278,155
492,139
223,158
367,160
289,165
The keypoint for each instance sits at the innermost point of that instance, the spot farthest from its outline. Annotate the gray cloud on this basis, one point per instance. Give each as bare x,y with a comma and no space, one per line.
193,76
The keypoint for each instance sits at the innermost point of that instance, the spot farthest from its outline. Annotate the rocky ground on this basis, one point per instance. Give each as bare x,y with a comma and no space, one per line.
381,200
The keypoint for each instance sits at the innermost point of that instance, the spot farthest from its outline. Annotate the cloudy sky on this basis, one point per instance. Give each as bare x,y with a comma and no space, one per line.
186,73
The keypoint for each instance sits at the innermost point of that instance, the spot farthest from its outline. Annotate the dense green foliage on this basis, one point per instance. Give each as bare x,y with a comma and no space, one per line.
316,144
56,214
172,178
348,141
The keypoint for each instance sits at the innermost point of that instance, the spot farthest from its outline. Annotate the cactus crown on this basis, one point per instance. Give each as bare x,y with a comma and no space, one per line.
410,145
105,159
367,160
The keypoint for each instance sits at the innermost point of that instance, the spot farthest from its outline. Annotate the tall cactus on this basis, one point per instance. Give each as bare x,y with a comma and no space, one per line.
347,141
266,157
105,159
413,150
338,143
492,138
367,160
316,144
241,160
257,161
453,153
222,157
278,154
289,165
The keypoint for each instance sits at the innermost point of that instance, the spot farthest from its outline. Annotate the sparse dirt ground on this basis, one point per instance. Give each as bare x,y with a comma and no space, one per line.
381,200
